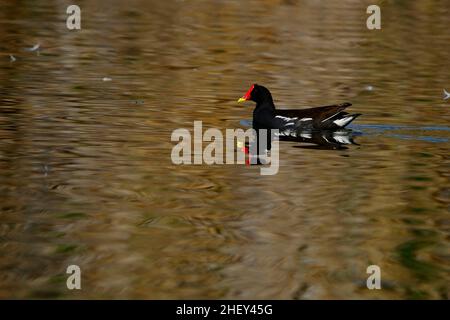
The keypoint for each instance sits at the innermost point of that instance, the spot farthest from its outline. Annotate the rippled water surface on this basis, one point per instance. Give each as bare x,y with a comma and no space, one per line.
86,176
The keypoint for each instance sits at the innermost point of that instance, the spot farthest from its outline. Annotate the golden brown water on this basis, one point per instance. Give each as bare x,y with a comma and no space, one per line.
86,176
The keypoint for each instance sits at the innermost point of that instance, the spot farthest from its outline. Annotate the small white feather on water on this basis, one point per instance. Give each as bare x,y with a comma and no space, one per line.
106,79
33,48
446,95
12,58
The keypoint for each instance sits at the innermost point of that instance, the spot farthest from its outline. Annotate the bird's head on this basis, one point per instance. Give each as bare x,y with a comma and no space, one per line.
257,93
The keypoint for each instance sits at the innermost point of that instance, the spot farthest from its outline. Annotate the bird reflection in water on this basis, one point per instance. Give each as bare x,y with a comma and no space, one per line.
258,149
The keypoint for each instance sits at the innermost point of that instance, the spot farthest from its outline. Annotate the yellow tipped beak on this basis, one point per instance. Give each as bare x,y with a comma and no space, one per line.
241,100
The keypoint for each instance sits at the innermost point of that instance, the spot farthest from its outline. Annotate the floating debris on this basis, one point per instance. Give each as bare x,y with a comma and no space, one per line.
446,95
106,79
33,48
12,58
369,88
138,101
46,170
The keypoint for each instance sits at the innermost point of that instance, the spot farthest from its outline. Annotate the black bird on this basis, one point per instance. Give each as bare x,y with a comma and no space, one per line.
290,122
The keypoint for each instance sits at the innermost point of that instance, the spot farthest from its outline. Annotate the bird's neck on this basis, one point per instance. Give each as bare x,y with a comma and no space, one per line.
267,103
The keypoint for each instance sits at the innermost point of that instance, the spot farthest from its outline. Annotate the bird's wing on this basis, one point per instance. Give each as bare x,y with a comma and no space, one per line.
318,114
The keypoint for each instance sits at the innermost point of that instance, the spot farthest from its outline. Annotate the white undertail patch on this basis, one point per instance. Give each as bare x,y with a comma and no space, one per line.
344,121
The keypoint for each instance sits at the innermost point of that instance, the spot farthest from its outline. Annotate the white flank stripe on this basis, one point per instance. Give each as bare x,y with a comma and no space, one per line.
286,118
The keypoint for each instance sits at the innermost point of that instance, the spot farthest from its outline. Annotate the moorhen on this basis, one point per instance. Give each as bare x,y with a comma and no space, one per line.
292,121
